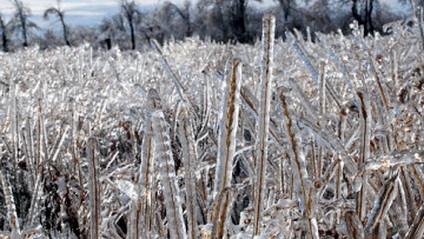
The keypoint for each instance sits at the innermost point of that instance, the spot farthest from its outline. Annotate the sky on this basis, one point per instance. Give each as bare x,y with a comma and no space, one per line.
77,12
91,12
81,12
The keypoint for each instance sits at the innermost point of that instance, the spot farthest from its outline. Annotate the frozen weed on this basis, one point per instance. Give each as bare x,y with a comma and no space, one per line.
323,141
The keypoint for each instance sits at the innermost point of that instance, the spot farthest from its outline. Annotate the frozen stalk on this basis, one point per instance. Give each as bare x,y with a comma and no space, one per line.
253,104
145,214
12,215
167,175
227,133
268,39
355,229
93,183
382,205
189,148
417,227
364,151
175,79
226,148
298,164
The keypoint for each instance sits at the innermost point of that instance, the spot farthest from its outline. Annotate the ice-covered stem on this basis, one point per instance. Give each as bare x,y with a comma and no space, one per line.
354,227
420,24
175,79
226,146
417,227
298,165
145,214
220,213
252,103
268,39
74,148
14,119
59,143
228,130
364,153
93,184
167,176
144,217
12,215
381,206
312,69
190,157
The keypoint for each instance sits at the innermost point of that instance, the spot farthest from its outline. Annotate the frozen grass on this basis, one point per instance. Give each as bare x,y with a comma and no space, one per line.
126,145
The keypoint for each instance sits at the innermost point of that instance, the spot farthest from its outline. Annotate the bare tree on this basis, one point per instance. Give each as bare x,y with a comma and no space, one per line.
171,15
237,20
130,11
3,30
20,20
61,15
229,16
286,5
362,11
113,30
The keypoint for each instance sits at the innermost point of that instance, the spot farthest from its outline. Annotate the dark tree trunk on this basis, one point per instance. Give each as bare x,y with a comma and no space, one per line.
131,23
24,30
238,21
3,35
286,4
369,28
65,30
363,14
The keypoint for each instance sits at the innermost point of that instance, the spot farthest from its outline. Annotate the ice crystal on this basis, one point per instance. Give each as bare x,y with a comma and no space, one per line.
130,145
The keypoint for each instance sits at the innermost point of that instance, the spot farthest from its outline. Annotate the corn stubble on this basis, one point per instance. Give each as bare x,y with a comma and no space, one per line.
292,139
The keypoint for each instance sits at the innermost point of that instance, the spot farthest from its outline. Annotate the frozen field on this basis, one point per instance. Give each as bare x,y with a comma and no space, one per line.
115,144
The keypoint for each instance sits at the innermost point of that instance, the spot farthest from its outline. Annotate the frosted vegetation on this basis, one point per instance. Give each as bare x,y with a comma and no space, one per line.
202,140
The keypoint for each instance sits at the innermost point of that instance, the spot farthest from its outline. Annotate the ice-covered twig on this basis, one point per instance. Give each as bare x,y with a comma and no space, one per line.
268,40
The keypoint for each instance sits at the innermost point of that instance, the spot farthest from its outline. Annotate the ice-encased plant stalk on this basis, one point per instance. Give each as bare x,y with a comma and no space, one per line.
299,169
268,39
12,215
226,146
228,130
167,175
93,183
190,157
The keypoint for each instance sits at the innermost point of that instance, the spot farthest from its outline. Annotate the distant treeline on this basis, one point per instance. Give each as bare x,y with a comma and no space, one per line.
232,21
